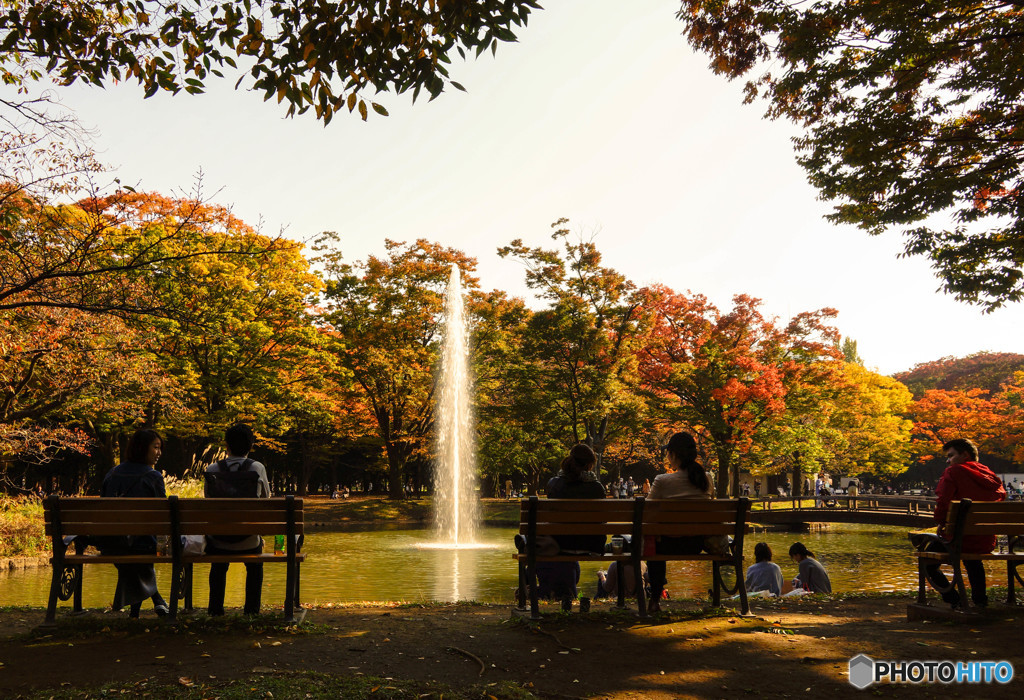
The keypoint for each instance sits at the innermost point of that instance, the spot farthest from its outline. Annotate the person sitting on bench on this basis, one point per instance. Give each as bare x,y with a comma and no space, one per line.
575,479
686,480
135,478
236,477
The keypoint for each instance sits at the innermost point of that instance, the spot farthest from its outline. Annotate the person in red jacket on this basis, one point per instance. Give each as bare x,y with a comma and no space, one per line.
965,477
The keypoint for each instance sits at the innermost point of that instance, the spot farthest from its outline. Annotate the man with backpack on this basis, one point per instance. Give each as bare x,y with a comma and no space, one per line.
237,476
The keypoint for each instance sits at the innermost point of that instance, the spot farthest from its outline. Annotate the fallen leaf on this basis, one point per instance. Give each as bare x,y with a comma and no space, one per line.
187,682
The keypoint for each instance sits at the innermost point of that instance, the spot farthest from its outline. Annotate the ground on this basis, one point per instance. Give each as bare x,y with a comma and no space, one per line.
795,648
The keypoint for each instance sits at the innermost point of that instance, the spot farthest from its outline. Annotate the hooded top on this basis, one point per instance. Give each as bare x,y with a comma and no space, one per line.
971,480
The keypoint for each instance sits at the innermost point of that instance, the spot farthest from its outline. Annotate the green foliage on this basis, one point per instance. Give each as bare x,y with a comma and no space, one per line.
21,527
912,117
308,54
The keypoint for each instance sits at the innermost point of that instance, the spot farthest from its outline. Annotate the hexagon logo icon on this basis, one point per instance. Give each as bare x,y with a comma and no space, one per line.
862,671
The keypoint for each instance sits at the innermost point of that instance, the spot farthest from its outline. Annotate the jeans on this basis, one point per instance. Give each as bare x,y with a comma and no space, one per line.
218,581
975,576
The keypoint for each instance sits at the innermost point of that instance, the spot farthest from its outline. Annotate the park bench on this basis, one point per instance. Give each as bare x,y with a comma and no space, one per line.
71,522
641,519
966,518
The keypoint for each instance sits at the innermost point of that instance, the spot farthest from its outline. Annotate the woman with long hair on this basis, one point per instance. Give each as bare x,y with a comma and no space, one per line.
575,479
136,478
687,479
812,576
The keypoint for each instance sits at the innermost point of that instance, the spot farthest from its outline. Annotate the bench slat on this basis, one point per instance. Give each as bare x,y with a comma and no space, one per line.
76,518
68,505
187,505
683,530
683,505
995,528
580,529
254,528
987,507
117,528
561,505
583,517
654,519
254,515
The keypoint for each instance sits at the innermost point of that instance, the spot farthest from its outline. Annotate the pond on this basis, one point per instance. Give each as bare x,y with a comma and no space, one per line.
396,565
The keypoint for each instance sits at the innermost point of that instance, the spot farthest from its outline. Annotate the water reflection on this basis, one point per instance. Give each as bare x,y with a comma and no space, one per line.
405,565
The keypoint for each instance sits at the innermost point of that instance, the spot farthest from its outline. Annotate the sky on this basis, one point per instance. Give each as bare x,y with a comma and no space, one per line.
602,114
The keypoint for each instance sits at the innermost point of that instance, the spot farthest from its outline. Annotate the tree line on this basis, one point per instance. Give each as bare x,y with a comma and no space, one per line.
139,310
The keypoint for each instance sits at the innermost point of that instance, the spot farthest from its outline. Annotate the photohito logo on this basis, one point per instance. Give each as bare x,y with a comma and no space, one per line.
864,671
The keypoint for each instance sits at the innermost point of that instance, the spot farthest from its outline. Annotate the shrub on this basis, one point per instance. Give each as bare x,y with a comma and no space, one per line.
21,527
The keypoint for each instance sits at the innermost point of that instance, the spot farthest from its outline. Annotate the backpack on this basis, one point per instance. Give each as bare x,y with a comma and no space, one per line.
242,483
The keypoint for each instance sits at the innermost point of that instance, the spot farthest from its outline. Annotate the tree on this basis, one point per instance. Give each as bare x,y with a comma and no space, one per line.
992,422
983,370
913,113
387,311
102,254
870,416
579,351
727,375
306,53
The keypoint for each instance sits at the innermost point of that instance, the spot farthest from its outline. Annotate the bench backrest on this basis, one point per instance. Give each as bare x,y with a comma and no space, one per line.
155,516
238,516
989,517
679,517
567,516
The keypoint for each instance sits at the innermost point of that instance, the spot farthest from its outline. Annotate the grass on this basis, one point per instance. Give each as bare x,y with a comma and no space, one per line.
300,684
21,527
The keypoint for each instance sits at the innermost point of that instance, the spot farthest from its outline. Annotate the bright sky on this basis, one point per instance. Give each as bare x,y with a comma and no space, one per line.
602,114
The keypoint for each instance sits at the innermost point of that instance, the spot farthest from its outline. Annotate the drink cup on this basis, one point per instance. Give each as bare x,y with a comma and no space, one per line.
278,544
617,545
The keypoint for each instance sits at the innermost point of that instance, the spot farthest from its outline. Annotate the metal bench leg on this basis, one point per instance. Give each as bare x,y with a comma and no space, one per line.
621,589
921,597
51,606
641,594
531,582
78,589
716,593
177,575
188,588
521,589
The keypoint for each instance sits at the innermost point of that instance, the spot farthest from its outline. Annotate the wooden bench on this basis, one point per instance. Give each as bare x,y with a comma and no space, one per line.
71,522
640,519
966,518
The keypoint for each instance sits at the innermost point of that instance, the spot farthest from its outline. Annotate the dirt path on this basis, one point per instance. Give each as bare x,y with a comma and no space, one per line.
795,649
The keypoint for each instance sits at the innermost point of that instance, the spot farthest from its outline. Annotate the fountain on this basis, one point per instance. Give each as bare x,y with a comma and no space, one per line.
455,499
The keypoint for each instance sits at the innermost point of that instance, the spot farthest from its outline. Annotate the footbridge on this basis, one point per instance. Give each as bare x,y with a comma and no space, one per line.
902,511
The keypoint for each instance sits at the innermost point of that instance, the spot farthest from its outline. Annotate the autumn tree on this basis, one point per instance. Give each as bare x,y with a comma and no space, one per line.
726,375
388,312
912,113
871,417
983,370
578,351
70,382
243,331
311,55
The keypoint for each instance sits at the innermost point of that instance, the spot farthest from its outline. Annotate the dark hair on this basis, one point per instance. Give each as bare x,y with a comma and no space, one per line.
580,459
963,446
762,552
684,447
240,439
799,548
138,445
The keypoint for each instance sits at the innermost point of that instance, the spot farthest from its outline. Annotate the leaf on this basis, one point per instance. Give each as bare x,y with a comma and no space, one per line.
379,109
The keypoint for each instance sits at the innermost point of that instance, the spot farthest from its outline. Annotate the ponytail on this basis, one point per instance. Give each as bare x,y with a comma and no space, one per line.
800,549
684,447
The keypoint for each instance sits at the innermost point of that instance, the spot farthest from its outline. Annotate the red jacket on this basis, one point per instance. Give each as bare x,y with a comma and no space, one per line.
971,480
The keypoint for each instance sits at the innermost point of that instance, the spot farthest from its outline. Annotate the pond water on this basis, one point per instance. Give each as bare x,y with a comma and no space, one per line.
396,565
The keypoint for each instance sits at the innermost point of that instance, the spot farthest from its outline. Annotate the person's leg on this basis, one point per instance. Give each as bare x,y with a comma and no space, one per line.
938,579
218,582
976,577
253,588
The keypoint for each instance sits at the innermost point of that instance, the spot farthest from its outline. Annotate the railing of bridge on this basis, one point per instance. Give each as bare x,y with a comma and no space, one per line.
909,505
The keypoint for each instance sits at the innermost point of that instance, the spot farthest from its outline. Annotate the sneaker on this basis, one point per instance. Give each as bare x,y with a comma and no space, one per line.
584,605
161,610
567,604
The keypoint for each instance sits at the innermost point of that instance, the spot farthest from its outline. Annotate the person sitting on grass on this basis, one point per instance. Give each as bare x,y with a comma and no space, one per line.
812,576
764,574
